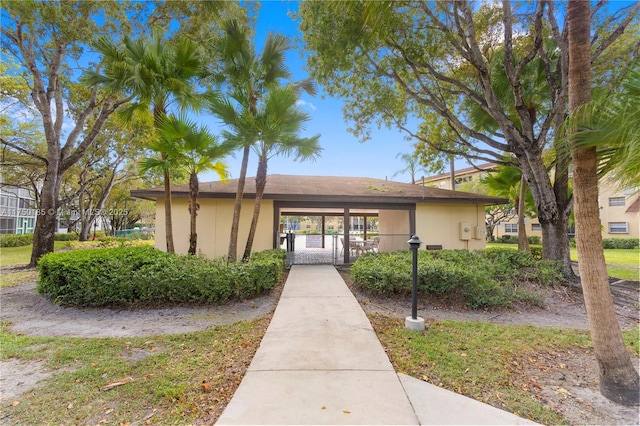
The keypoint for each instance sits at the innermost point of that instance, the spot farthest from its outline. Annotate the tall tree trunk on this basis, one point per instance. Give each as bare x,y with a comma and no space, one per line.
261,183
563,200
85,226
523,243
159,113
552,216
619,381
44,232
193,211
452,173
232,255
168,220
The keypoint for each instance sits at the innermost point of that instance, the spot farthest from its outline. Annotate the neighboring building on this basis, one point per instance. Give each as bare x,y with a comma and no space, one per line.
619,209
17,210
469,174
447,219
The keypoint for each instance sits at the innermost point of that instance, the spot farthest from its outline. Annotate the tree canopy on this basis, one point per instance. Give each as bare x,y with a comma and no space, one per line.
480,79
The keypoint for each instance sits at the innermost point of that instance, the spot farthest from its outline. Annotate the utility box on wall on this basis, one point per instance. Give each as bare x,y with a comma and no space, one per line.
479,232
465,231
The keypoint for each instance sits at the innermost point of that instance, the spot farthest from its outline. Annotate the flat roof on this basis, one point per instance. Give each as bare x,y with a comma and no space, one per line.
327,189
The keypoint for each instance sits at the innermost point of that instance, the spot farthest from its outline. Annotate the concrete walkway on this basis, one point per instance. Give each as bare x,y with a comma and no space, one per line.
320,362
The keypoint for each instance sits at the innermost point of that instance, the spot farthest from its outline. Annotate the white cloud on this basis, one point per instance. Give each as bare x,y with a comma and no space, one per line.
305,104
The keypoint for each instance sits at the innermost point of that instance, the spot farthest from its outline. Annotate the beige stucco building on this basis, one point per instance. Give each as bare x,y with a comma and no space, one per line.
619,208
450,219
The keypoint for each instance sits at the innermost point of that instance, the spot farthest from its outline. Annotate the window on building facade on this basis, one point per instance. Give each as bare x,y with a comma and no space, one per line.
7,225
616,201
26,203
511,228
25,225
536,227
460,180
618,228
7,201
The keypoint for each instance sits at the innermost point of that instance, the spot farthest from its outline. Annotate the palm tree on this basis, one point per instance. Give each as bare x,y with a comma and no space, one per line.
619,381
613,127
412,166
509,182
275,127
246,77
195,150
157,74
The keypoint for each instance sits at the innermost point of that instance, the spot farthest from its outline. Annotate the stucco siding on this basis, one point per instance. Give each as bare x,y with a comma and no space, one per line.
440,224
618,220
394,230
214,226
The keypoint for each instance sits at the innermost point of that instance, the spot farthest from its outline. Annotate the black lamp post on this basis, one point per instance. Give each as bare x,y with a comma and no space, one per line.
414,322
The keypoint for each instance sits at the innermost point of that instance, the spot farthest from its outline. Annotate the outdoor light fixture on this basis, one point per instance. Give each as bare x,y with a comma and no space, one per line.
414,322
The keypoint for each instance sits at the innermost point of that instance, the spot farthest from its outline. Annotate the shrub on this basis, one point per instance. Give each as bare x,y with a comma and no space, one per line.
143,275
384,273
15,240
545,272
534,239
620,243
70,236
110,242
513,239
481,277
536,252
507,239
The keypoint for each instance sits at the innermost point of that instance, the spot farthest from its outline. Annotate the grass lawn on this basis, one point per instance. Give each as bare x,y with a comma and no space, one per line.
14,256
163,376
491,363
621,263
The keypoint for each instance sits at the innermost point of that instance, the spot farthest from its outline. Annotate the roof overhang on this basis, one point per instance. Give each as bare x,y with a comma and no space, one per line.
330,190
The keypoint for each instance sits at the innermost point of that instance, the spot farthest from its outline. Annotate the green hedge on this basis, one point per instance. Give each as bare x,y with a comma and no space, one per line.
15,240
621,243
513,239
482,277
126,276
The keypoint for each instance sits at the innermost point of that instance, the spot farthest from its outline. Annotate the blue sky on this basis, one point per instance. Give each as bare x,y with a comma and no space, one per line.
343,154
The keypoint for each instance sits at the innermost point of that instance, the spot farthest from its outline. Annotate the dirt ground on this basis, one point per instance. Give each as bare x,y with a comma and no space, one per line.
566,382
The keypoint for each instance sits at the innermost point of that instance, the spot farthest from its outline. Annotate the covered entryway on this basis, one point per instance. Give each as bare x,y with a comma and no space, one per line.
449,219
338,233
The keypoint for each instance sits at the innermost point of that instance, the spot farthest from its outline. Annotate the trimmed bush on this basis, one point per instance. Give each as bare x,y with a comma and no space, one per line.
15,240
127,276
482,277
621,243
69,236
19,240
534,239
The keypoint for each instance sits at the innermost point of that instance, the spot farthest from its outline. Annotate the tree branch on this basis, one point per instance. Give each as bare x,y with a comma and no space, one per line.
107,109
18,148
616,33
